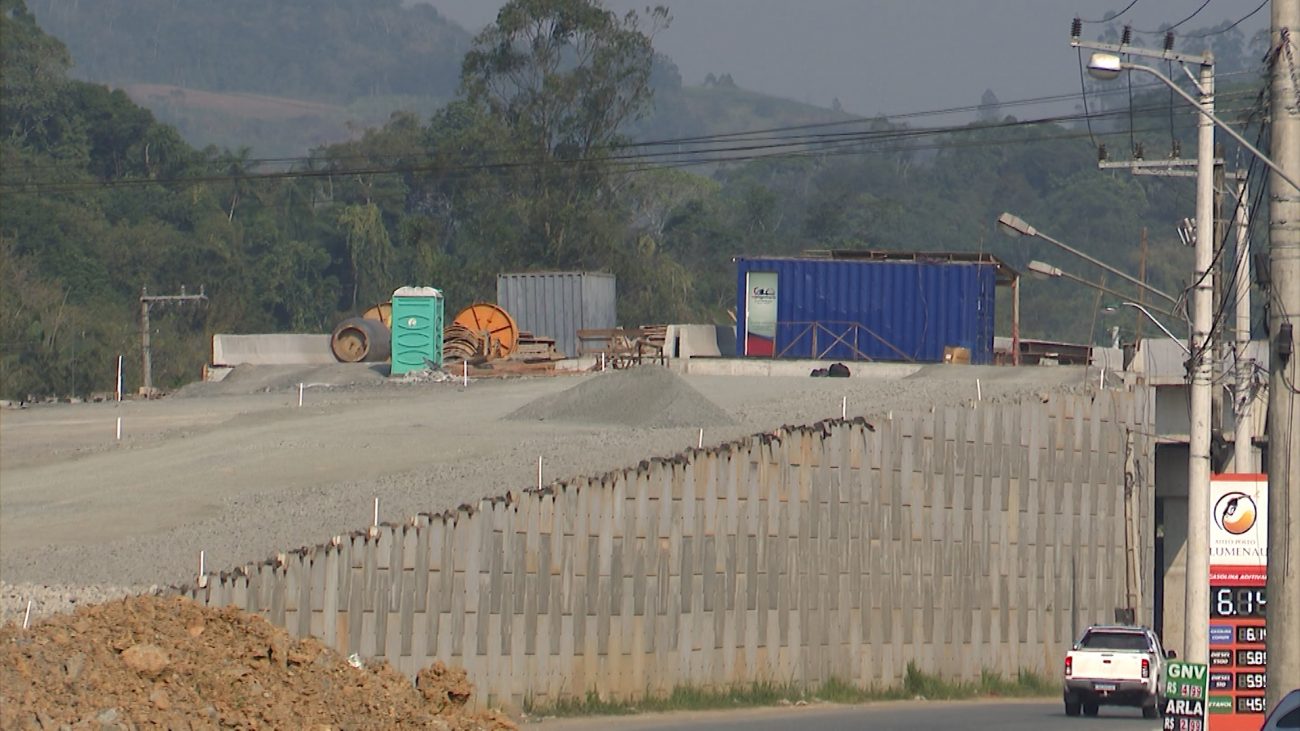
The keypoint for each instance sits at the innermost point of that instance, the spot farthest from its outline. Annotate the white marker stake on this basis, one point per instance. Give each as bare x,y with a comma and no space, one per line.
700,445
602,362
300,388
844,407
119,379
27,618
203,563
979,390
376,523
539,473
465,378
119,428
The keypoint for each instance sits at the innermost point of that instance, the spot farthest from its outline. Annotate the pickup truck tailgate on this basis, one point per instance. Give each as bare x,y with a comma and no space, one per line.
1108,665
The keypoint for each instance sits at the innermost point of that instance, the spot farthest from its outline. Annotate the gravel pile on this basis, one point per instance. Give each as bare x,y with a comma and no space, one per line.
648,397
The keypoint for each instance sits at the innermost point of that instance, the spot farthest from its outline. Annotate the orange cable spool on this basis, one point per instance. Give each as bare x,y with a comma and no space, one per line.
493,325
382,312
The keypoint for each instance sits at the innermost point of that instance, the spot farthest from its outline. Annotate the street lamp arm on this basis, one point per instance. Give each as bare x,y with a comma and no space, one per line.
1158,324
1107,267
1217,122
1056,272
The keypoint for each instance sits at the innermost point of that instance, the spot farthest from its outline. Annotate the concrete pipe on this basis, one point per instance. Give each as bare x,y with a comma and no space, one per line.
358,340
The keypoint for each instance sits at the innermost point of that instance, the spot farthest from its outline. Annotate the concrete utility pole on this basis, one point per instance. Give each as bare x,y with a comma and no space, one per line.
1243,460
147,301
1243,445
1109,65
1284,371
1197,608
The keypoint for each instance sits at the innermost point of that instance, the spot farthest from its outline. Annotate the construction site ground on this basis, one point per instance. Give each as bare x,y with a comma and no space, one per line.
238,471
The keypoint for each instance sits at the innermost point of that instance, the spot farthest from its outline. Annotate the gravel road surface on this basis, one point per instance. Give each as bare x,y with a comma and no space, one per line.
236,470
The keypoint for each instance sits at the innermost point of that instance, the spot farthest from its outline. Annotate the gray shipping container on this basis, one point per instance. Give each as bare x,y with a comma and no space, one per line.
559,304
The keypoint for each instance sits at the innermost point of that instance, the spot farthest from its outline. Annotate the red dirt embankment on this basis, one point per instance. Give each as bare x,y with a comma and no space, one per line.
167,662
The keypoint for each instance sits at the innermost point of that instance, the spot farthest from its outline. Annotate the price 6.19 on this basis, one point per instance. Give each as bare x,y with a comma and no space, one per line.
1252,634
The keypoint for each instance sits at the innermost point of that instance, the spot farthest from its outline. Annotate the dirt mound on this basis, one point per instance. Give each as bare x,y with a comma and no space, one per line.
648,397
170,663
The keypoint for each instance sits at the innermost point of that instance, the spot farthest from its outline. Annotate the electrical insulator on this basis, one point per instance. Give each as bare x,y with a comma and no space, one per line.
1128,36
1076,28
1102,154
1138,154
1169,41
1177,149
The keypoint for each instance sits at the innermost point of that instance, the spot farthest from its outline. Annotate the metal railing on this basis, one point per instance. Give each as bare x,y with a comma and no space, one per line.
832,335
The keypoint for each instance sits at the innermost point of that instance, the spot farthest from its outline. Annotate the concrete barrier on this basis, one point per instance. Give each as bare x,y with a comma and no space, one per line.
964,540
689,341
766,367
278,349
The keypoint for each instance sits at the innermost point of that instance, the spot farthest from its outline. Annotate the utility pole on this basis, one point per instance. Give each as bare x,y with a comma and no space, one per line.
1142,293
1284,373
1243,397
147,301
1243,445
1196,607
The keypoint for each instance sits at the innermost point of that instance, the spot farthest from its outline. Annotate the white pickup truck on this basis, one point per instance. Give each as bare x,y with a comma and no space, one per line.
1114,665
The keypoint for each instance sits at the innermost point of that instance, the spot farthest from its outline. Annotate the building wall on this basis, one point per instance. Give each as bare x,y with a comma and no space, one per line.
962,540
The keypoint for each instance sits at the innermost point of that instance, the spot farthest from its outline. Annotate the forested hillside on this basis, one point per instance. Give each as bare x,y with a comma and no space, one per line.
333,51
98,199
287,77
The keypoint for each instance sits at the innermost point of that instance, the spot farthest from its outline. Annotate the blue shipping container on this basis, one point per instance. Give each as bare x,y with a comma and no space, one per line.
846,309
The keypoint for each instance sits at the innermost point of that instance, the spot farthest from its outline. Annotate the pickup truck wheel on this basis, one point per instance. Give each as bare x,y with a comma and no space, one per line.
1091,708
1151,711
1072,707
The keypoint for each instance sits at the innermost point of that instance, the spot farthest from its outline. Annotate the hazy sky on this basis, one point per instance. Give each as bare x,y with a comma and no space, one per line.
890,56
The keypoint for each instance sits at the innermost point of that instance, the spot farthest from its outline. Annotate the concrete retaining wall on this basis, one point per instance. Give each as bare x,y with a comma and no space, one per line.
962,540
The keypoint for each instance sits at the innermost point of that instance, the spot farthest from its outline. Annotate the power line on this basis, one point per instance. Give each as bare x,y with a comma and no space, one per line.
721,154
1236,23
1195,13
1083,91
748,133
732,148
1112,16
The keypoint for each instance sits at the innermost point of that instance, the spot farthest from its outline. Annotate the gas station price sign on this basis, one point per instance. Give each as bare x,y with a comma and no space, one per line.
1183,695
1238,601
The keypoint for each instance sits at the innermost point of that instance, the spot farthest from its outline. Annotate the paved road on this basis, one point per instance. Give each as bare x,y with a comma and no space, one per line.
933,716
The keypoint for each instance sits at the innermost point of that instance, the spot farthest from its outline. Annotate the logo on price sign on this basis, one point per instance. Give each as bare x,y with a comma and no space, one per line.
1186,686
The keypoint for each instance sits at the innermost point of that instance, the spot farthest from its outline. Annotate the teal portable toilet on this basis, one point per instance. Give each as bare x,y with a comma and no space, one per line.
417,329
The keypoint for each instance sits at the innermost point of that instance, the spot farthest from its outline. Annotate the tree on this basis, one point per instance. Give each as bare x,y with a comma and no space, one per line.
990,108
565,74
561,77
369,251
34,66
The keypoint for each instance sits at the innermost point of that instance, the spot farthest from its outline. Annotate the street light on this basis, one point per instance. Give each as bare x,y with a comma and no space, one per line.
1016,226
1196,596
1158,324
